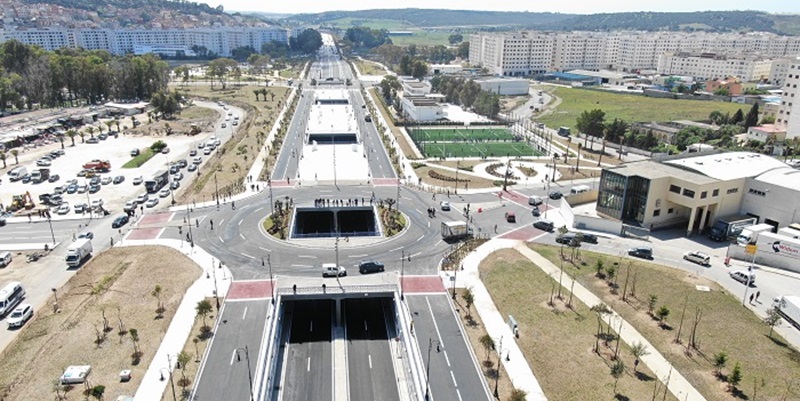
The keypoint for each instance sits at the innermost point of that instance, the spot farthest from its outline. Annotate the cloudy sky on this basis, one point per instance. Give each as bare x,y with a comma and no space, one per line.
563,6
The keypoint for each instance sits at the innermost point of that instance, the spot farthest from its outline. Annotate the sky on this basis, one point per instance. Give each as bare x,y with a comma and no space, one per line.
562,6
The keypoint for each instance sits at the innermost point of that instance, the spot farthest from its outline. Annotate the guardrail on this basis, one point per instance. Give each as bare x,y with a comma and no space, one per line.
266,367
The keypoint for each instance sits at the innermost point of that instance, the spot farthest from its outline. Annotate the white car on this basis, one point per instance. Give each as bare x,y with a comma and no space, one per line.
743,276
63,208
197,160
208,151
445,206
97,203
697,257
83,188
106,180
177,176
152,202
43,163
20,315
164,193
142,198
138,180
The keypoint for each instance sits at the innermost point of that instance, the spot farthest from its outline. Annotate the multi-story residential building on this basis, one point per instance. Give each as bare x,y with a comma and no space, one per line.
512,54
788,116
221,40
705,66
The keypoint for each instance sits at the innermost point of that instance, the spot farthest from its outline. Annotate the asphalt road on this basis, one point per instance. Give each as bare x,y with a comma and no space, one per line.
453,373
308,366
225,371
369,358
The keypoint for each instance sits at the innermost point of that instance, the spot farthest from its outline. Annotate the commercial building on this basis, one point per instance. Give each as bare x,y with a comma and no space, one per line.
414,87
436,69
531,52
504,86
220,40
690,191
422,108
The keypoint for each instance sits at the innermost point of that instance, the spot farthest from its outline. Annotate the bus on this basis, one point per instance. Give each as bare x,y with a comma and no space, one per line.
158,181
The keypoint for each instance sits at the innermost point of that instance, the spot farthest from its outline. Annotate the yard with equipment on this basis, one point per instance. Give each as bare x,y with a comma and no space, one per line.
469,142
110,317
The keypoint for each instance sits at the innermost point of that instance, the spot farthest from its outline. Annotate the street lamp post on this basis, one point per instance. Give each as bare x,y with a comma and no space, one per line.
455,187
214,273
271,202
497,376
52,233
272,281
402,272
428,368
249,371
216,189
189,224
171,382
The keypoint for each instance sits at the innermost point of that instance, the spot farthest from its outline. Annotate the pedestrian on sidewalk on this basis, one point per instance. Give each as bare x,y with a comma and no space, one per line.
758,294
212,224
751,298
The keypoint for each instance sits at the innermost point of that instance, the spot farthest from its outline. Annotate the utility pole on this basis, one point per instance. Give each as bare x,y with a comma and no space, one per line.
505,176
271,202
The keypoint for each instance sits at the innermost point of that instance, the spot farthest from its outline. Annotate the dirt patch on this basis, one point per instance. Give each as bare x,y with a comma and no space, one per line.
195,347
474,180
510,103
118,283
202,117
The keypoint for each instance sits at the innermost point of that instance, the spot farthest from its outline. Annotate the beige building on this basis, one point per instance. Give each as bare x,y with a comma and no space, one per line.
690,191
707,66
788,116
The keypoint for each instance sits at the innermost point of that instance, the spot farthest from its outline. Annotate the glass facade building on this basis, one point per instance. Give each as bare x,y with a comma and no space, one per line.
623,197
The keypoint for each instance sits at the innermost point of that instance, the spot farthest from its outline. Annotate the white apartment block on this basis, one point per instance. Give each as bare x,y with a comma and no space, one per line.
526,53
123,41
788,116
705,66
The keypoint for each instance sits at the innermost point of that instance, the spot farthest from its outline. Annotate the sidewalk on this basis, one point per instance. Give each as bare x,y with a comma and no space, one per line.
520,373
152,387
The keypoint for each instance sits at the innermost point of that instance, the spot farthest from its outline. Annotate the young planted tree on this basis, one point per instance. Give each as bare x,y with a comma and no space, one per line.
517,395
773,319
71,134
720,359
15,153
638,350
158,292
651,303
662,314
469,299
617,369
90,130
183,360
600,311
203,308
735,377
488,344
599,268
135,340
97,391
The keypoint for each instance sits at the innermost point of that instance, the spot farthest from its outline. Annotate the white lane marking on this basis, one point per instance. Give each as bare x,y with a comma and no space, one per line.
308,365
396,249
244,254
370,361
311,326
307,256
459,395
233,355
264,249
416,254
435,325
240,234
245,313
437,244
220,222
429,224
220,238
418,239
365,326
446,358
301,266
453,376
240,222
358,256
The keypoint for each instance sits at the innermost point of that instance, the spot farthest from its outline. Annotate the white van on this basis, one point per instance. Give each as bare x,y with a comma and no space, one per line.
535,200
17,173
331,270
10,296
5,258
579,189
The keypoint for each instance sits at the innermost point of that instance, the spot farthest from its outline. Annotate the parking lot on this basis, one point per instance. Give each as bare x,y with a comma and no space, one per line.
117,151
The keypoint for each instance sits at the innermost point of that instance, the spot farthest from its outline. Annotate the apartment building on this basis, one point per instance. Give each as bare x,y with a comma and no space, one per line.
788,116
705,66
221,40
518,53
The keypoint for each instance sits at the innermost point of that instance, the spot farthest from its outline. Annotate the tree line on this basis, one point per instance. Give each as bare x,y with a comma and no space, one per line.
30,76
467,93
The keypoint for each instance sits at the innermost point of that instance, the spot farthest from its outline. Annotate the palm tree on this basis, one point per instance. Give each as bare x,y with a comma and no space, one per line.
15,153
116,121
488,344
82,135
638,350
71,134
135,340
90,130
469,299
3,158
257,92
203,308
157,293
108,125
100,127
133,121
617,370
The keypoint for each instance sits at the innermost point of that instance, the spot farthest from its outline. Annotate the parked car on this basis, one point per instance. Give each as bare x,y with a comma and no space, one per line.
644,252
59,190
174,185
102,137
106,180
83,188
63,208
370,266
95,181
97,203
72,189
177,176
142,198
152,202
555,195
118,179
138,180
135,153
511,217
20,315
208,151
130,205
697,257
590,238
80,208
165,150
26,178
192,167
536,212
197,160
163,193
43,163
119,221
93,189
192,153
201,145
92,140
54,178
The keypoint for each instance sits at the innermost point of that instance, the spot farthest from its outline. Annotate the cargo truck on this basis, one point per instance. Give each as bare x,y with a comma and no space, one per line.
40,175
728,228
78,252
788,306
455,230
750,234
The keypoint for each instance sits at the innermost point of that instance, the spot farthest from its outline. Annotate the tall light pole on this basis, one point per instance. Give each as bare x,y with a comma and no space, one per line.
52,233
271,202
402,272
171,382
455,187
497,376
428,368
272,281
249,371
216,190
189,221
214,273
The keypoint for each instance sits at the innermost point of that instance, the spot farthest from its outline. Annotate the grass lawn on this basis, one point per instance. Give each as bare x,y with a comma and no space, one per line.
481,149
423,37
460,134
630,108
558,341
348,22
725,326
232,162
462,164
369,68
119,283
144,155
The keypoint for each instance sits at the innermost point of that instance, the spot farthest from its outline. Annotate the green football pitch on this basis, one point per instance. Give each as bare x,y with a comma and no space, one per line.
469,142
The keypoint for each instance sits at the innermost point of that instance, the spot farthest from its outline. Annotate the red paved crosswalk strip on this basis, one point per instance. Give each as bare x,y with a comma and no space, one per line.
412,284
281,183
250,289
156,218
526,233
144,233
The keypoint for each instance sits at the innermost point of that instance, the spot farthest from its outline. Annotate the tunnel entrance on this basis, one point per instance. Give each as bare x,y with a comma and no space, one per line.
339,138
326,222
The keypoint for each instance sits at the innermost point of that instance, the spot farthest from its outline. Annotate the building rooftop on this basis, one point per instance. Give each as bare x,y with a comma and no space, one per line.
654,170
327,118
727,166
786,177
331,94
768,128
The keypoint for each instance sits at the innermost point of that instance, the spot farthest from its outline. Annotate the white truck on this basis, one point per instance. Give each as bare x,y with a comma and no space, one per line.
455,230
17,173
749,235
789,307
79,251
